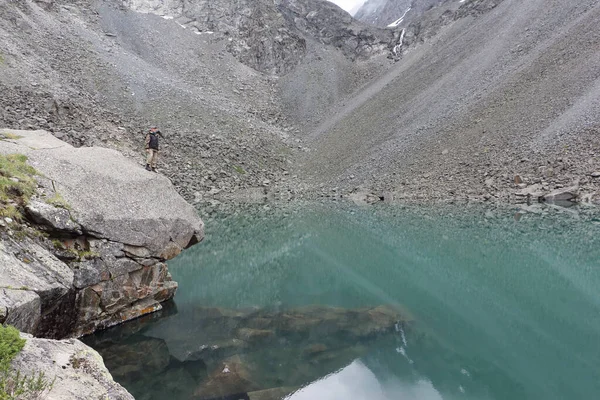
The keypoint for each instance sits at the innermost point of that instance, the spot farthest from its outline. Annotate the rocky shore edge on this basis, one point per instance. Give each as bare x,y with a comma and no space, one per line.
85,234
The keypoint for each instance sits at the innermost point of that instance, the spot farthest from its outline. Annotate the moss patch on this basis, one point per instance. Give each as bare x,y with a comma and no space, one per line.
239,170
17,184
58,201
14,385
10,344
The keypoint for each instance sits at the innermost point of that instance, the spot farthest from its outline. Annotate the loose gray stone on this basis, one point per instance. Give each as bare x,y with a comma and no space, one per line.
89,273
564,194
106,248
123,266
137,251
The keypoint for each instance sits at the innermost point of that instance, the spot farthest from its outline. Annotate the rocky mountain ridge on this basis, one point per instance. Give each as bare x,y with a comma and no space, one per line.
272,36
383,12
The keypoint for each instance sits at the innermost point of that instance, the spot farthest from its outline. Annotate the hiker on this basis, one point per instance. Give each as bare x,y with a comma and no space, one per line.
152,148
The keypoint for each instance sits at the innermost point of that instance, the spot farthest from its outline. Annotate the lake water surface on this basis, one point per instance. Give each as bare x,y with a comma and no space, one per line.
375,303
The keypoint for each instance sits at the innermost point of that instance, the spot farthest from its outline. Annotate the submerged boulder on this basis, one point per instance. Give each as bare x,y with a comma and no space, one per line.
230,377
220,333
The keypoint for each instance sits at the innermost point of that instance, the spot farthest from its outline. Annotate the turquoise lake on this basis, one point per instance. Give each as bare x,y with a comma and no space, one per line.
301,304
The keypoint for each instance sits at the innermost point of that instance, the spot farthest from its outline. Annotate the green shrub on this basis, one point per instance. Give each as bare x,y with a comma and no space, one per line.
13,384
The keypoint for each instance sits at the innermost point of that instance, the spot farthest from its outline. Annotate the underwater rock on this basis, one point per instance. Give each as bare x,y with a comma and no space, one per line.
230,377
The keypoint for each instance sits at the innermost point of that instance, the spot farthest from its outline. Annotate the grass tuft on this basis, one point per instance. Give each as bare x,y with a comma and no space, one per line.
17,185
8,135
10,344
14,385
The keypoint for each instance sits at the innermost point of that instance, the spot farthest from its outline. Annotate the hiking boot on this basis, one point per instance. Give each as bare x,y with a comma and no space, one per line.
148,167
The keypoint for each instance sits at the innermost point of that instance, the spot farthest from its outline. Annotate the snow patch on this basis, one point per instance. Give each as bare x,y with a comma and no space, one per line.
399,20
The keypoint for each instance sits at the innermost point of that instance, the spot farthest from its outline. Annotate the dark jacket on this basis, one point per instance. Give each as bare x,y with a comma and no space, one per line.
152,140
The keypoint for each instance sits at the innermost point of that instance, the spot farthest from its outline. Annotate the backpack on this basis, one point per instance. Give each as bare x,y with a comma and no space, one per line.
153,141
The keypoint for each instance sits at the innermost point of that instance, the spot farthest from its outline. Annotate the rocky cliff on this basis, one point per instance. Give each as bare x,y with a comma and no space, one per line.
106,227
383,12
272,36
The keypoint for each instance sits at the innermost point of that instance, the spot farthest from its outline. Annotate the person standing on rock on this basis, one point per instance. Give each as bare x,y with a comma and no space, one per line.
152,148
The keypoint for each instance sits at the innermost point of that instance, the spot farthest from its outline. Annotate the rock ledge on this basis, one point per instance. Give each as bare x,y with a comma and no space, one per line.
111,225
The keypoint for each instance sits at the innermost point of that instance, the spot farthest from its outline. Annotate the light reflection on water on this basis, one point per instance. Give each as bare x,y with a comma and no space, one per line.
356,381
504,307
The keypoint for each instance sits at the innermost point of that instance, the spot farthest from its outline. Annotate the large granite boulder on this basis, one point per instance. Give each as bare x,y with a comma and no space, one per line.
111,225
110,196
77,370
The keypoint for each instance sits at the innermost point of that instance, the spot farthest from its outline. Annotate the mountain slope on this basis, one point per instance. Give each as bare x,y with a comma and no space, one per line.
270,97
208,73
99,74
513,91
